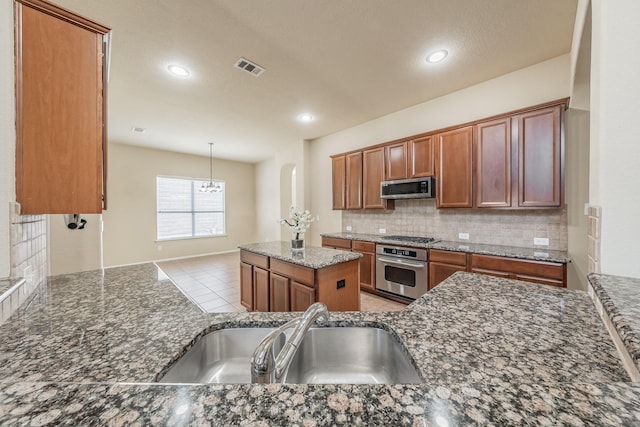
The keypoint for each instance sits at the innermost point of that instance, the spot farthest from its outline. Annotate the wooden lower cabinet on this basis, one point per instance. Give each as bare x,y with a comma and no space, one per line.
367,265
260,289
543,272
302,296
443,264
246,285
276,285
279,289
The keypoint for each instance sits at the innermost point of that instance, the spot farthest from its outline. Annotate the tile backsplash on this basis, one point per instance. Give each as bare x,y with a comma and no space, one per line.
28,245
497,227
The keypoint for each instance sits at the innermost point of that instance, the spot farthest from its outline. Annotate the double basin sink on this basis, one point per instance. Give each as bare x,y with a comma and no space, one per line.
348,355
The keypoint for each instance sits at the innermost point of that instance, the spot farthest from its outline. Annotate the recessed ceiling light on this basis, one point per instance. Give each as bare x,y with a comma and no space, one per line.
305,118
437,56
178,70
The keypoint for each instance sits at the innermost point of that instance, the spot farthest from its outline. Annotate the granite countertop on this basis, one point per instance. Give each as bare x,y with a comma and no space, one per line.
491,351
620,298
311,256
537,254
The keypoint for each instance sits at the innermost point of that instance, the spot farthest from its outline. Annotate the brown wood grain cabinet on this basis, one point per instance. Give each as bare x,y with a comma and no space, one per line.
540,157
396,160
279,289
543,272
373,174
261,293
246,285
336,243
60,110
493,164
354,180
367,264
283,286
443,264
420,157
454,168
339,182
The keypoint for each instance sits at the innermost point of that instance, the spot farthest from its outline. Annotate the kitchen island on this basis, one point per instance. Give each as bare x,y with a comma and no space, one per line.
88,347
273,277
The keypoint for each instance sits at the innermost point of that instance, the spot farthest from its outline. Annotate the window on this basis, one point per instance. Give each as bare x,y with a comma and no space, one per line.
183,211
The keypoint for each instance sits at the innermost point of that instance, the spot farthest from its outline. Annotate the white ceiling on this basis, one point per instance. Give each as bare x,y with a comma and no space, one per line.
344,61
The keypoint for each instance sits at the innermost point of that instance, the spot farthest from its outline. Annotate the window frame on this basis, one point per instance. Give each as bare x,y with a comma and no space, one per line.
195,185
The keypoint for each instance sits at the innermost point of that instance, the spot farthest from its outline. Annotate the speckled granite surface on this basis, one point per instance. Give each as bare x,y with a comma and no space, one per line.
620,297
491,351
311,256
476,248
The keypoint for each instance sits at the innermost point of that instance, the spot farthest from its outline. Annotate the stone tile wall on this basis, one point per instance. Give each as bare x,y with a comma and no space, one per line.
496,227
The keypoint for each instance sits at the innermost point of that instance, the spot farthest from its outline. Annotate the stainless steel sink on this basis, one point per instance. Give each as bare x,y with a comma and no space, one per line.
351,355
222,356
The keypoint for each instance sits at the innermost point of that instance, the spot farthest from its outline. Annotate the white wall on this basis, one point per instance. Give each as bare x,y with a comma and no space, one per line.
71,251
7,132
537,84
130,219
615,146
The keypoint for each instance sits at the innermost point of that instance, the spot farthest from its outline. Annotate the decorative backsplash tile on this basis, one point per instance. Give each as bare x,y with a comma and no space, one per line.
494,227
594,239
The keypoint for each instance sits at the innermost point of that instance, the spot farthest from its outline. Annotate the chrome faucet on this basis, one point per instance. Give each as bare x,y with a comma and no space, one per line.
265,366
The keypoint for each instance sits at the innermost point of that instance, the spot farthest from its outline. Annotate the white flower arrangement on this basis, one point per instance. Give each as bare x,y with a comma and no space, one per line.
298,222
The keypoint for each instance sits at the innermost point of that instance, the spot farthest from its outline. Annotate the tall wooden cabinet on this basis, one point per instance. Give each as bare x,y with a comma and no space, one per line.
354,180
373,174
454,168
493,164
339,182
60,110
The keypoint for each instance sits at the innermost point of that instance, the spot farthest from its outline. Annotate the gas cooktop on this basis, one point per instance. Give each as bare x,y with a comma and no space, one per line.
411,239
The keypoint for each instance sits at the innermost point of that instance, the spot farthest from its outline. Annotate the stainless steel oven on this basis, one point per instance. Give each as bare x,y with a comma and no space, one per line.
402,271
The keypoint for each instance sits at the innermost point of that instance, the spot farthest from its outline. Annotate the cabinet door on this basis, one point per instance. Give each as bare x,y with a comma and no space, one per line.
60,114
354,180
493,164
339,183
438,272
454,151
373,170
260,289
246,285
279,289
540,170
301,296
396,157
367,271
420,157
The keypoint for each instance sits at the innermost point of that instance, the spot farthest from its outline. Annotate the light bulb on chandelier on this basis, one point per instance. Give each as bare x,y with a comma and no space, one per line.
211,187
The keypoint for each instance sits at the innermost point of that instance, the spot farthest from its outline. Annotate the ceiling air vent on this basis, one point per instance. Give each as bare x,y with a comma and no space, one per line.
250,67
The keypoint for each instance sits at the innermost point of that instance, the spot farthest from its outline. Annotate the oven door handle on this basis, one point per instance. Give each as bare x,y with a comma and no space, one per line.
402,263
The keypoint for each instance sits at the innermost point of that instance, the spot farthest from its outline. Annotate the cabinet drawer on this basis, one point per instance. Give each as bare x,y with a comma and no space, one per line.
295,272
363,246
338,243
549,270
448,257
255,259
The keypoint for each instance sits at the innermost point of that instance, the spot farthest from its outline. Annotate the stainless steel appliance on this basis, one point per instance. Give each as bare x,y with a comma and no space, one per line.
415,188
402,271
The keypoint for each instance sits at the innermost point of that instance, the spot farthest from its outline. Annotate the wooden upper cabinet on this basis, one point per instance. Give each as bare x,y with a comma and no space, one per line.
420,157
354,180
454,163
373,174
493,164
60,110
540,163
396,159
339,182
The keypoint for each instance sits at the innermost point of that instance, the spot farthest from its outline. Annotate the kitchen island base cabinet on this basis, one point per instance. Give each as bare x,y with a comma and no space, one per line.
276,285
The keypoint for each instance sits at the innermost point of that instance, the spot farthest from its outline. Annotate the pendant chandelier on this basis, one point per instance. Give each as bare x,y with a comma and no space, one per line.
211,187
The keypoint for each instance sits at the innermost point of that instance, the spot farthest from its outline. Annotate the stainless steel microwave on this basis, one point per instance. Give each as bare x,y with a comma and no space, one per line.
415,188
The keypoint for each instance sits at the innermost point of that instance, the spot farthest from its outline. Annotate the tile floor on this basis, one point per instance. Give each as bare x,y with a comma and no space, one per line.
213,283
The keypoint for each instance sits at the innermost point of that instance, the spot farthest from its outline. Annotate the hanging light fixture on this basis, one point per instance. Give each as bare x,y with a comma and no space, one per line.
211,187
